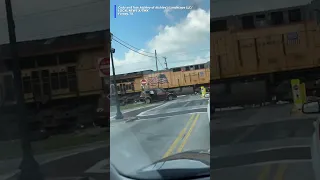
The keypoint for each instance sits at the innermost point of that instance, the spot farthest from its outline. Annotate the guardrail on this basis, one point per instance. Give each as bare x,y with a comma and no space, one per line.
315,149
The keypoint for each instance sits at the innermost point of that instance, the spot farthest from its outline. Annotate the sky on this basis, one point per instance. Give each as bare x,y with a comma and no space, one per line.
39,19
182,36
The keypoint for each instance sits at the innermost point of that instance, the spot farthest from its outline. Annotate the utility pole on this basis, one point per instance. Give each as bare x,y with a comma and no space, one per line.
119,114
165,62
28,166
155,54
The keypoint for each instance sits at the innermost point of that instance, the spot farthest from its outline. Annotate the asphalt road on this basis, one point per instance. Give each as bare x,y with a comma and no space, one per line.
253,144
159,133
93,164
259,143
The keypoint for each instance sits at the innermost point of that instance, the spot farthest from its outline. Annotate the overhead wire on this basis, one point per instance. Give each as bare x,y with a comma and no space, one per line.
151,56
132,49
142,52
139,49
160,54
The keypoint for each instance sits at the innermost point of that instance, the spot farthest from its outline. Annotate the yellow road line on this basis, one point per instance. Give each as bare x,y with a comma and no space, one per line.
280,171
180,136
265,172
188,133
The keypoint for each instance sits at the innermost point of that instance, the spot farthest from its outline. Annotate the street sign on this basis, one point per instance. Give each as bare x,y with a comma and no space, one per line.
143,82
104,67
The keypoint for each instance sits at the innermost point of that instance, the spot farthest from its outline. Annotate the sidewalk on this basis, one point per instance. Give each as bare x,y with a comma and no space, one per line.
10,167
252,116
130,114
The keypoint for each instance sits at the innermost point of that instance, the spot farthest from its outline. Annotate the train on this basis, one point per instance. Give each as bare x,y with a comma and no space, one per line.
60,71
131,84
255,54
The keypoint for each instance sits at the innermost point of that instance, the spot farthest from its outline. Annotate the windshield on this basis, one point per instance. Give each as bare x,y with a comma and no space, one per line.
165,116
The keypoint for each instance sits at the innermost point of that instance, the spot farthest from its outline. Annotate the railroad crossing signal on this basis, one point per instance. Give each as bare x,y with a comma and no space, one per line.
104,67
143,82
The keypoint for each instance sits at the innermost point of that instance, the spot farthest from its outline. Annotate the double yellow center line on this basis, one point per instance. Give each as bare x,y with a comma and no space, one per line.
183,136
279,175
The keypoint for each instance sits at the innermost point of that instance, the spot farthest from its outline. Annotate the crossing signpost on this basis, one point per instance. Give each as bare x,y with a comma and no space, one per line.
104,67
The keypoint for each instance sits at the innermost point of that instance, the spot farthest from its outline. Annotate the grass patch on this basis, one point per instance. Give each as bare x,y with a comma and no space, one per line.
12,149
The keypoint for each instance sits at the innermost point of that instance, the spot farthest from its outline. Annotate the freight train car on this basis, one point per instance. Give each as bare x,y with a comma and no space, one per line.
58,70
255,53
195,75
178,77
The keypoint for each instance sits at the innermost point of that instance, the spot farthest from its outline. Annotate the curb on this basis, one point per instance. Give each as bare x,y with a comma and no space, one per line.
112,118
174,113
131,119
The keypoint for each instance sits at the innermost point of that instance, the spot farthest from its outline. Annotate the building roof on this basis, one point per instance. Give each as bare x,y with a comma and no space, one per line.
58,44
41,19
225,8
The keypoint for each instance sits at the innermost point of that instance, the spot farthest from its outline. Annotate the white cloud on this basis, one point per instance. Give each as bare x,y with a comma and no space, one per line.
179,43
160,27
167,14
202,59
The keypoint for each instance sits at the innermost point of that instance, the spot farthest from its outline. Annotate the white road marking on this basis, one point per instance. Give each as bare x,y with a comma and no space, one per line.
134,109
181,95
152,109
148,119
186,104
175,111
100,167
244,135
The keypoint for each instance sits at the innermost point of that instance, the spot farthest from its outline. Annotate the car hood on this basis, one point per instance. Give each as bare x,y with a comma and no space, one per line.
189,164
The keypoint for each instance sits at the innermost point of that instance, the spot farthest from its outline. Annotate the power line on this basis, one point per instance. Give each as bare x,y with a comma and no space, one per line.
136,48
139,49
161,64
174,52
184,60
132,49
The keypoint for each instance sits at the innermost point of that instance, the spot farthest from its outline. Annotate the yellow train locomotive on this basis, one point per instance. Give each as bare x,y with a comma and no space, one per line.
178,77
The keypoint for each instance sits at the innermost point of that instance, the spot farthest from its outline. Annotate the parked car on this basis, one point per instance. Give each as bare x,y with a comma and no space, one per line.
157,94
102,114
101,118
